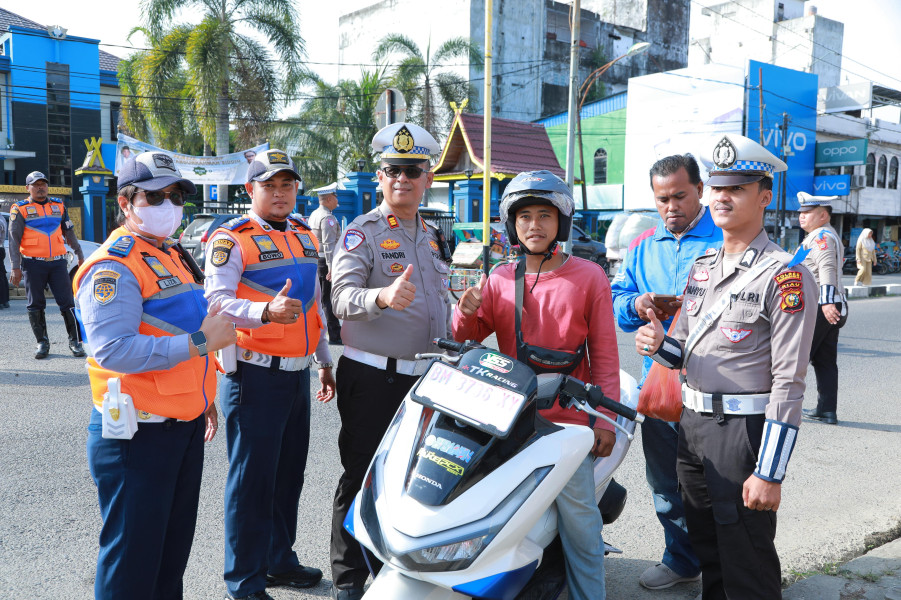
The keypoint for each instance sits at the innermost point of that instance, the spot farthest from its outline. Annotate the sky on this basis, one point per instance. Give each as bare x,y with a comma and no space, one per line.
871,42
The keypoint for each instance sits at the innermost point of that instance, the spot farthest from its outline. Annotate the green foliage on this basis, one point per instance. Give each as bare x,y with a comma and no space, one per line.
426,80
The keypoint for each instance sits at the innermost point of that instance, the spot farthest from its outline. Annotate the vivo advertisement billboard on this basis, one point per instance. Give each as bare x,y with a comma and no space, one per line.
794,93
845,152
832,185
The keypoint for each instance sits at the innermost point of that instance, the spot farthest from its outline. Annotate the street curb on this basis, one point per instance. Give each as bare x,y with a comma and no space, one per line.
872,291
874,576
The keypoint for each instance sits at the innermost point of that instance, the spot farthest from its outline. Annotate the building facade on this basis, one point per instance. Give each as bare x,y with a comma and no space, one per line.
56,91
531,44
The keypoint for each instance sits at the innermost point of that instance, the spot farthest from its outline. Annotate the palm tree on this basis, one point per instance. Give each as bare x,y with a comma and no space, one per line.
228,73
334,128
425,79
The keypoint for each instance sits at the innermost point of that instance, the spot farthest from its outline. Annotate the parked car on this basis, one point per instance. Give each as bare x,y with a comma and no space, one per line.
589,249
194,238
71,260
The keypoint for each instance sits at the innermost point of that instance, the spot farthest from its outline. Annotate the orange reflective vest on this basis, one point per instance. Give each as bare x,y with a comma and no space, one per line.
173,304
270,257
43,234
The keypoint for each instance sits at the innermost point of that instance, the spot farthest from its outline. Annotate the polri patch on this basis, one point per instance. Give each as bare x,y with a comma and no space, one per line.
106,286
221,252
352,239
790,289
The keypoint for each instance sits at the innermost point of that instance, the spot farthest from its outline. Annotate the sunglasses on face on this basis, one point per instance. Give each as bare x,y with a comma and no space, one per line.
394,172
156,198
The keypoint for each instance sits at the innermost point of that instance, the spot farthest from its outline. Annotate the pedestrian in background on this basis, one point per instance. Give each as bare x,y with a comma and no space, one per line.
327,230
390,289
865,251
824,254
658,263
149,335
261,271
4,280
38,228
743,346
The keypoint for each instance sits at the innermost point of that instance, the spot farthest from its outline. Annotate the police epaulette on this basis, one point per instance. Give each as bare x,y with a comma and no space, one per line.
234,223
122,246
23,202
298,221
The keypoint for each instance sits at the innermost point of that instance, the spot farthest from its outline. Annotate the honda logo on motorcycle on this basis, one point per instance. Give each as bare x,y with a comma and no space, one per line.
496,362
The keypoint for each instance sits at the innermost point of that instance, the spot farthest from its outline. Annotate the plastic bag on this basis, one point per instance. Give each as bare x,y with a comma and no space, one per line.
661,394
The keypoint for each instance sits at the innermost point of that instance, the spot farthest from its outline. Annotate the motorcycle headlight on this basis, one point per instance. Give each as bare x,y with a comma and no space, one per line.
451,554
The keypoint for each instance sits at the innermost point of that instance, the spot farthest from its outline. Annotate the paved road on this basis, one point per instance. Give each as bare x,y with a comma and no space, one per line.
843,481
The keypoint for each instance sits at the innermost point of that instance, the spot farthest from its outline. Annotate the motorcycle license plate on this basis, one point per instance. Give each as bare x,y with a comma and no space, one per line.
490,408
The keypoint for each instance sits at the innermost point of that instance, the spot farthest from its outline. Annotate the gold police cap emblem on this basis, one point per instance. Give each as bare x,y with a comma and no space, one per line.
403,140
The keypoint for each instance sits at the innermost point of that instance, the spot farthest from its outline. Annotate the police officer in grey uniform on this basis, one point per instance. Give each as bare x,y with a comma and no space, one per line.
326,228
390,288
742,346
824,256
4,282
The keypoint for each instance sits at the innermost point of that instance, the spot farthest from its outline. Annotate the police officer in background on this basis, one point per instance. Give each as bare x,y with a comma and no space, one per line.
326,227
261,270
37,227
390,288
149,336
824,257
743,345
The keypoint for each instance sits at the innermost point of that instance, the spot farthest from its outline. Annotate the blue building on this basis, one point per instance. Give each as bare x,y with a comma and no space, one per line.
56,90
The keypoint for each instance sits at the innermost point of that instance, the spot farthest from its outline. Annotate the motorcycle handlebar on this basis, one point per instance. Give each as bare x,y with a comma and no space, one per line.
597,398
446,344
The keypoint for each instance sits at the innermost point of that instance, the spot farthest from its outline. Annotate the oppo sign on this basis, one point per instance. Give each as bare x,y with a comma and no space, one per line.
847,152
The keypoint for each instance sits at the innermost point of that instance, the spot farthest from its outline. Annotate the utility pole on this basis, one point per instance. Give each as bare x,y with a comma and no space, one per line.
575,30
785,153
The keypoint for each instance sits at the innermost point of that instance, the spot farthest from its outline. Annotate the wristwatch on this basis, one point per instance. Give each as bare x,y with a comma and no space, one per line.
198,338
326,365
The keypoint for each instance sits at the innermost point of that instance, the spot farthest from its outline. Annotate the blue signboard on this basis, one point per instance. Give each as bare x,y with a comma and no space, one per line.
794,93
832,185
847,152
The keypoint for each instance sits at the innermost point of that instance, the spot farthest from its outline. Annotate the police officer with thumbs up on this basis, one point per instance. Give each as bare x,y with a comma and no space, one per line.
389,285
261,268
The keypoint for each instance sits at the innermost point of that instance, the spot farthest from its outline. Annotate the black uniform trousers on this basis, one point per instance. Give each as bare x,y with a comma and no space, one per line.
332,322
37,274
824,359
4,277
368,398
734,544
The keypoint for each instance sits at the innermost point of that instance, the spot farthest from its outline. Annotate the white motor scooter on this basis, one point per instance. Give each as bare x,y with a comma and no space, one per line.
459,498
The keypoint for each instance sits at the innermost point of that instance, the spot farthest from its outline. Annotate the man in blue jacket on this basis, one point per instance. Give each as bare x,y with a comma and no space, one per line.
658,263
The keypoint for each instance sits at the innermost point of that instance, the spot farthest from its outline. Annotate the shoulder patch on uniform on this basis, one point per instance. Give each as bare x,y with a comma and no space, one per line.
332,221
105,286
22,202
353,238
791,290
122,246
298,221
822,242
234,223
221,251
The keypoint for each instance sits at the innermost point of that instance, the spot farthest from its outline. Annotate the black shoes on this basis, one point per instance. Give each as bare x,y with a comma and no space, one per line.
351,593
72,329
254,596
4,305
826,417
39,328
299,577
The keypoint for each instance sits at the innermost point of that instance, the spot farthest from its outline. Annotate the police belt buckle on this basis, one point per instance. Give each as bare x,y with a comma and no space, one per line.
286,363
404,367
733,404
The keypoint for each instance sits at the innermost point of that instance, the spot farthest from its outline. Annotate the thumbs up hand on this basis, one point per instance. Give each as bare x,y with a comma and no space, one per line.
284,309
471,299
400,294
649,337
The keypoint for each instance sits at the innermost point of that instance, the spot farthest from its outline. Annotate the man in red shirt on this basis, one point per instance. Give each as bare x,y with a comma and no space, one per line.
566,307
